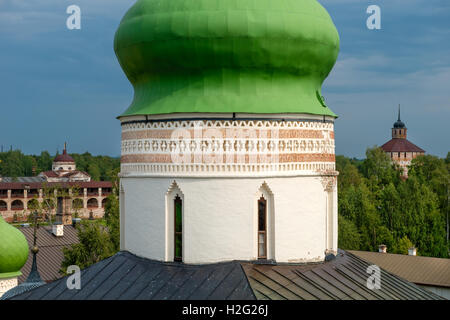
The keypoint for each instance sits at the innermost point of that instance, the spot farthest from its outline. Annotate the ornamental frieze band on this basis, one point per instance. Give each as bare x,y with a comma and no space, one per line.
249,146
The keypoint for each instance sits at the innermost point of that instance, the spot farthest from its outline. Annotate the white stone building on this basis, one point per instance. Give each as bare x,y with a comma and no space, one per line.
290,184
20,196
228,146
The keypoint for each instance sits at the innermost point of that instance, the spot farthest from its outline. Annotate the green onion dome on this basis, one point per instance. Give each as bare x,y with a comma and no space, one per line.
13,250
223,56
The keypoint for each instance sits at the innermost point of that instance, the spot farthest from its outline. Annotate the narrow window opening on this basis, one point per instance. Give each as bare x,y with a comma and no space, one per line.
178,209
262,228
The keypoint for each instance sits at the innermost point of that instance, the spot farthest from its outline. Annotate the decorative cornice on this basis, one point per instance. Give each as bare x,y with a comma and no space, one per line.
209,148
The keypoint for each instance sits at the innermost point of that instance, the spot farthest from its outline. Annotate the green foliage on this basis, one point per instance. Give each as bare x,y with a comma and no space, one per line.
435,173
377,167
94,171
112,216
349,237
95,245
98,239
402,246
100,167
377,206
14,163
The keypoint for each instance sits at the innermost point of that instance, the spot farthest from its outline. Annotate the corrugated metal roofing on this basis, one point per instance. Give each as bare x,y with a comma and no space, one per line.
344,278
50,254
23,179
37,185
417,269
128,277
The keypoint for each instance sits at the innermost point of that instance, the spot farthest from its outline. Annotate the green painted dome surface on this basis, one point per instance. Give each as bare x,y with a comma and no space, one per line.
13,250
222,56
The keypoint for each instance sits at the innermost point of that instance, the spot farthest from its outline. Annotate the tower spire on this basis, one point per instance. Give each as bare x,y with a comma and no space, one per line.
399,129
65,148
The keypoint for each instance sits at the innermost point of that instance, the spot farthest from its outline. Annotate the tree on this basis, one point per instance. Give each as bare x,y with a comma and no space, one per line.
112,216
44,162
348,173
375,203
94,171
14,163
389,207
434,172
97,241
378,167
95,245
349,237
402,246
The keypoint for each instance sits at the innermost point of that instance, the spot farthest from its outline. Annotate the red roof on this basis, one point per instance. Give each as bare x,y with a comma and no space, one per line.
63,157
50,174
400,145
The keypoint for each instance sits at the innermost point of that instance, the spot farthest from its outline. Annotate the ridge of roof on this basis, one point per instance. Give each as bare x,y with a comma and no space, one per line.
127,276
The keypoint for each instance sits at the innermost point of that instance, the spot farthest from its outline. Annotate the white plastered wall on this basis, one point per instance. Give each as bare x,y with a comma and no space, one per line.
219,218
7,284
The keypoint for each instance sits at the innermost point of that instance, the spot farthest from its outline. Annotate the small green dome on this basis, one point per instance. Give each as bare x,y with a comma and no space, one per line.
223,56
13,250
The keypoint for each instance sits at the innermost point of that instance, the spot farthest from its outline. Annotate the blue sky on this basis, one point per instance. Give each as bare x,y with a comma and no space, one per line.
61,85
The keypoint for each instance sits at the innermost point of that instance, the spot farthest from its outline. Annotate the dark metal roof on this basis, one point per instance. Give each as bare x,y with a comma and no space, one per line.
23,179
33,281
126,276
50,254
344,278
399,124
20,289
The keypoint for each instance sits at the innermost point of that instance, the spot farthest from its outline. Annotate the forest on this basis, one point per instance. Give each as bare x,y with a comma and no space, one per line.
14,163
377,206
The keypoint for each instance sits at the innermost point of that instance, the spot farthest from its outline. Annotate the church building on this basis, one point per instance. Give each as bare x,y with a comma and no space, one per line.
228,146
20,196
399,149
228,184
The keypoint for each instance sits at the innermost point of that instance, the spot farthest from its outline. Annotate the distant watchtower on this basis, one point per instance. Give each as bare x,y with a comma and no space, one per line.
399,148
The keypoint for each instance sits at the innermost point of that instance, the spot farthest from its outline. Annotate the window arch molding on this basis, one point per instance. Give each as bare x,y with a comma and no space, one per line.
264,240
175,235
